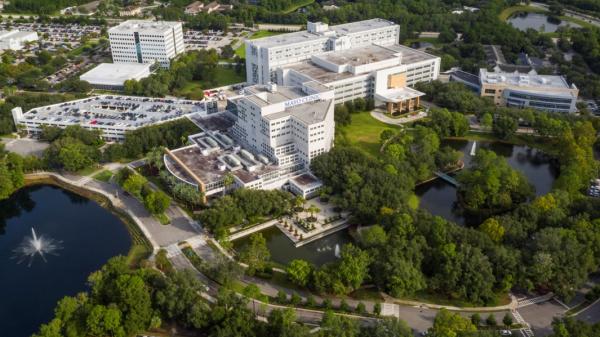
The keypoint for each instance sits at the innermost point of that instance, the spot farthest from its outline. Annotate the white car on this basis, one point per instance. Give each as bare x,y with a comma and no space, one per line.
506,333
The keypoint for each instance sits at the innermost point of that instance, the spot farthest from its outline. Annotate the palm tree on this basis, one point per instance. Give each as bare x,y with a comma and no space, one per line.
299,201
312,209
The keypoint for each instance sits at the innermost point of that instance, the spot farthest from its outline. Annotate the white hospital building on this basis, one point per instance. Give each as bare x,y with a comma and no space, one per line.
264,56
139,41
266,140
355,60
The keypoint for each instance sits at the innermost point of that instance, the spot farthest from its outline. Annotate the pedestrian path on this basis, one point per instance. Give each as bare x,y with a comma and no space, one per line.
173,250
535,300
526,330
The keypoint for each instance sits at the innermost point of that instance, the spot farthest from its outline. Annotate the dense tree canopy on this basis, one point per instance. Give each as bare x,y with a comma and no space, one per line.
491,184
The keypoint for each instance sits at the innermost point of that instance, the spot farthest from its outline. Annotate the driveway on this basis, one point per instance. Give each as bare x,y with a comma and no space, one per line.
25,146
540,316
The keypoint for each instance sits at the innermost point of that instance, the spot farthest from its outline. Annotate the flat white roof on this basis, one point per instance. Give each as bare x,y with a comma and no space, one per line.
115,74
16,34
146,26
303,36
531,79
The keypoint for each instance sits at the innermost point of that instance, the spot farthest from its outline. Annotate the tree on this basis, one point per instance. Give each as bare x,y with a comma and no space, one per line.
448,324
476,319
333,325
228,180
389,327
491,320
157,202
487,120
377,309
507,320
505,126
133,185
493,229
491,184
299,272
281,323
352,269
255,254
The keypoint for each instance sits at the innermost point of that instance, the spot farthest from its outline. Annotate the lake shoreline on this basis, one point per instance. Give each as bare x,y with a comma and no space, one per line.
139,242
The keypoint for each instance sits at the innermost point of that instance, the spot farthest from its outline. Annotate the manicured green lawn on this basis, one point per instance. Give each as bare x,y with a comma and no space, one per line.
103,175
241,51
433,40
363,133
263,33
508,12
224,76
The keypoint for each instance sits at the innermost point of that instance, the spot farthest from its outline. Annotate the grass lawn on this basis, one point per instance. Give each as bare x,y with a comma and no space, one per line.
88,170
241,51
137,253
433,40
263,33
103,175
225,76
363,133
508,12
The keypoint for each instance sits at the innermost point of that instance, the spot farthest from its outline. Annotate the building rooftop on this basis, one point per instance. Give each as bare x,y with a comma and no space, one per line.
304,36
309,113
212,164
531,79
117,111
358,56
14,34
157,27
115,74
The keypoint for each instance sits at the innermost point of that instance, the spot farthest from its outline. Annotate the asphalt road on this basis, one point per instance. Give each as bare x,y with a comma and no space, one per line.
591,314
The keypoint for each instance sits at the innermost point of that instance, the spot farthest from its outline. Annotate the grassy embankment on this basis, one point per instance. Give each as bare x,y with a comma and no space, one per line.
510,11
140,247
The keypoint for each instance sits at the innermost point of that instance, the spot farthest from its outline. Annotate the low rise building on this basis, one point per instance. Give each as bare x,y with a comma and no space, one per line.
194,8
113,115
16,39
217,7
268,137
130,11
112,76
529,90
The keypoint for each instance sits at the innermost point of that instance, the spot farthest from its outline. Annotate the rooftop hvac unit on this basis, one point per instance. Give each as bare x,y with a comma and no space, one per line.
247,155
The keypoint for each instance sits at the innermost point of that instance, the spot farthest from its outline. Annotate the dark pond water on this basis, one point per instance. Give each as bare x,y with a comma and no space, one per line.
89,236
439,197
537,21
283,250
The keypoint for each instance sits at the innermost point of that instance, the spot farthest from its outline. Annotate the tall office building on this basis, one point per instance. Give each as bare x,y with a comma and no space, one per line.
264,56
138,41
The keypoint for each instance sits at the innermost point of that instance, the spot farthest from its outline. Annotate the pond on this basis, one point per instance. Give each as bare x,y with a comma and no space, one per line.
87,236
283,250
439,197
540,22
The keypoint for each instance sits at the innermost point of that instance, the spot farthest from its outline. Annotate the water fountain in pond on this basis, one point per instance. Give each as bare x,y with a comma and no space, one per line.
34,245
473,149
337,250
